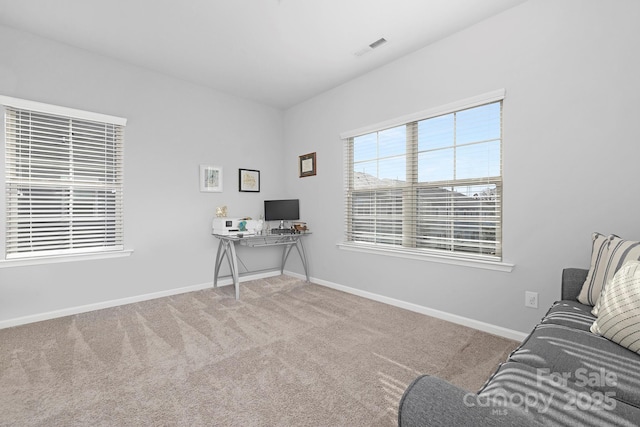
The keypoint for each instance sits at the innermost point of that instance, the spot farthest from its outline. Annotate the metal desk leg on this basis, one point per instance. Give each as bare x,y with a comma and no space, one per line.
233,264
228,249
303,257
285,254
219,258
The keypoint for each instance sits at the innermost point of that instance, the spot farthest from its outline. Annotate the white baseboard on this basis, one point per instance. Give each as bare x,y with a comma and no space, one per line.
460,320
482,326
129,300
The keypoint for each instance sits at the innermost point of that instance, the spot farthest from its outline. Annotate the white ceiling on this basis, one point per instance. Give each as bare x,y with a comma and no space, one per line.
277,52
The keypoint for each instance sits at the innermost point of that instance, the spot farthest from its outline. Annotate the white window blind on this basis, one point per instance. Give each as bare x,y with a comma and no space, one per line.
429,185
64,182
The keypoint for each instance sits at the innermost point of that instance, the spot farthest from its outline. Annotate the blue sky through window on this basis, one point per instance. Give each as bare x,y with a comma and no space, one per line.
382,154
460,145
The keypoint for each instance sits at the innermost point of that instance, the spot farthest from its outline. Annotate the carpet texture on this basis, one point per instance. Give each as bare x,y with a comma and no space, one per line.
289,353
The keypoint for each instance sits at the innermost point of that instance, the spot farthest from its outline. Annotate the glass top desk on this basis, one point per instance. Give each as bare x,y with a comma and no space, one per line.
227,247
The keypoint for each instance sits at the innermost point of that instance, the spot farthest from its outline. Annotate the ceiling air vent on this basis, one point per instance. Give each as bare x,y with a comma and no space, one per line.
372,46
377,43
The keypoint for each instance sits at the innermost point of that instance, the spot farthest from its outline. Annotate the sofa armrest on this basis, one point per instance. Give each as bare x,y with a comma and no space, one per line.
572,281
431,401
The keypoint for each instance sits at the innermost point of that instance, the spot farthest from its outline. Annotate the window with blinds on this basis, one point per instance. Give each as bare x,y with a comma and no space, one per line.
64,182
429,185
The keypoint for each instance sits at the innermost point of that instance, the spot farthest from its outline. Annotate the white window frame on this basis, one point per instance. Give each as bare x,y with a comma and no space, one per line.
446,257
14,259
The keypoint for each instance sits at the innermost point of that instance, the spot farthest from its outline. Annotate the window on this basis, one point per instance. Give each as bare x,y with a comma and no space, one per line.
64,183
429,185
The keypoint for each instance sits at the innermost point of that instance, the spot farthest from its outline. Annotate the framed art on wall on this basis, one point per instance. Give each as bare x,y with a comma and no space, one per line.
307,165
249,180
210,178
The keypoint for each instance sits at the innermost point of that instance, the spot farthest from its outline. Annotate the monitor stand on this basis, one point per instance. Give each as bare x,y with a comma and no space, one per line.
281,226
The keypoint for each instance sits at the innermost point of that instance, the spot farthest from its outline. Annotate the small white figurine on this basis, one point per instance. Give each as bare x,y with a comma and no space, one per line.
221,211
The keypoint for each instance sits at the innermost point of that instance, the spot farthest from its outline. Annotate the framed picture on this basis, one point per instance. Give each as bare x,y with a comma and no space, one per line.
210,178
249,180
307,165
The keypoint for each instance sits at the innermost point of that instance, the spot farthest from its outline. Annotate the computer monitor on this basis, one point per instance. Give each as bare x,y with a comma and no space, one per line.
282,210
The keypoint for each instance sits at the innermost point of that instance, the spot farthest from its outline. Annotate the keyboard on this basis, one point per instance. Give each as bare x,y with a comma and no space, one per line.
282,231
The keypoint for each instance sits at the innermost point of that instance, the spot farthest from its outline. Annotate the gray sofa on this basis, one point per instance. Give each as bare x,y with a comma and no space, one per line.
561,375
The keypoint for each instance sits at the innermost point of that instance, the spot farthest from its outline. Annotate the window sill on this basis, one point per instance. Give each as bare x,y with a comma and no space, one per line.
430,257
63,258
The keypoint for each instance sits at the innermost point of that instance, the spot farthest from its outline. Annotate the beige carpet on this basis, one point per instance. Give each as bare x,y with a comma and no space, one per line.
288,353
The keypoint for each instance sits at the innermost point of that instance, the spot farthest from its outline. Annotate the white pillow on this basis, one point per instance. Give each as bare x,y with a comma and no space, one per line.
619,309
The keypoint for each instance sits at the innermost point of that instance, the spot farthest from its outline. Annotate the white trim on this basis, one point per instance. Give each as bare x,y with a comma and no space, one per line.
485,98
431,257
460,320
61,111
123,301
55,259
453,318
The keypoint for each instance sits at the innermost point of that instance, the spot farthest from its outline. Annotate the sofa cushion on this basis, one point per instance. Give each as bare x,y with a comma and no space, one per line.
570,313
431,401
619,312
552,400
583,357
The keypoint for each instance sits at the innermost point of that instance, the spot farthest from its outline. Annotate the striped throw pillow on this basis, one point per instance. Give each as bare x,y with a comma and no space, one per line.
607,257
592,286
619,314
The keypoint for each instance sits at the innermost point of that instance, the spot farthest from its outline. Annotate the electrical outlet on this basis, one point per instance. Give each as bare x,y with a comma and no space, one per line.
531,299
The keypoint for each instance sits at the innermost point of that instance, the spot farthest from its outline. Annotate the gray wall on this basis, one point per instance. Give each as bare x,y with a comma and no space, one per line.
172,127
570,160
571,147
